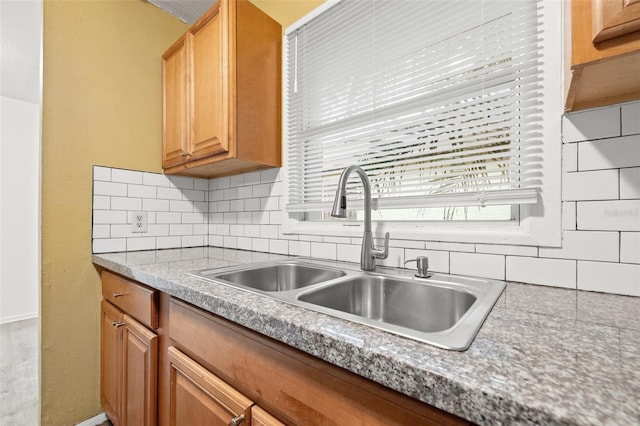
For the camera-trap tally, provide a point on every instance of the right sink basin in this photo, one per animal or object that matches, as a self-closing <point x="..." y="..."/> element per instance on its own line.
<point x="405" y="303"/>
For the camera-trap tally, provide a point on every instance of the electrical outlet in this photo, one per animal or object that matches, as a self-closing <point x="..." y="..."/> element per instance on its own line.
<point x="138" y="221"/>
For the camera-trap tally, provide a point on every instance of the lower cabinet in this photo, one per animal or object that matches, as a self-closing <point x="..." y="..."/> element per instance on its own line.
<point x="129" y="366"/>
<point x="198" y="397"/>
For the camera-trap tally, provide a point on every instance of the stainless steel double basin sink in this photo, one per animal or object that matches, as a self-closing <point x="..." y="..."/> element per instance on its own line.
<point x="445" y="311"/>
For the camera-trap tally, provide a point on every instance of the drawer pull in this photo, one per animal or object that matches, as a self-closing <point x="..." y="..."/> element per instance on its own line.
<point x="117" y="324"/>
<point x="119" y="294"/>
<point x="237" y="421"/>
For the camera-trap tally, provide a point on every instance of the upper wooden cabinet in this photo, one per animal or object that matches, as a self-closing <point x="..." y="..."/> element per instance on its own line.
<point x="221" y="94"/>
<point x="605" y="53"/>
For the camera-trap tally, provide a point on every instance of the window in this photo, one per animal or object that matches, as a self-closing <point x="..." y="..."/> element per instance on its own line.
<point x="447" y="105"/>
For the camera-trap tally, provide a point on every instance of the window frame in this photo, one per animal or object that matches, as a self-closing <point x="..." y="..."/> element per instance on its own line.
<point x="538" y="224"/>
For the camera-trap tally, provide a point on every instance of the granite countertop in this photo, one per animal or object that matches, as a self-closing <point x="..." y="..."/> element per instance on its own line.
<point x="543" y="356"/>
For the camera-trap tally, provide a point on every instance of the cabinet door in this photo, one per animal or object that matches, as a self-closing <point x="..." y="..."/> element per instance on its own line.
<point x="111" y="322"/>
<point x="615" y="18"/>
<point x="198" y="397"/>
<point x="209" y="97"/>
<point x="139" y="374"/>
<point x="259" y="417"/>
<point x="175" y="127"/>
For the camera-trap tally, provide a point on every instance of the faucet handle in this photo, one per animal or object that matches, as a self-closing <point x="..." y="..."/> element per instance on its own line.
<point x="423" y="266"/>
<point x="382" y="254"/>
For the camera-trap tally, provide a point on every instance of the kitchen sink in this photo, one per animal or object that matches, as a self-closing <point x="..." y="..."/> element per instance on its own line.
<point x="445" y="310"/>
<point x="278" y="277"/>
<point x="406" y="303"/>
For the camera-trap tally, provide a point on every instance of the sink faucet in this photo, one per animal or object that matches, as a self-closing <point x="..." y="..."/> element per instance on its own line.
<point x="369" y="252"/>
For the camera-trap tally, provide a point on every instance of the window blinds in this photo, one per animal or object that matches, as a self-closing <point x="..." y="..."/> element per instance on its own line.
<point x="438" y="101"/>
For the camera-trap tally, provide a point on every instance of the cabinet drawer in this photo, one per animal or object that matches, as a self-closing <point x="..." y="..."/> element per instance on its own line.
<point x="136" y="300"/>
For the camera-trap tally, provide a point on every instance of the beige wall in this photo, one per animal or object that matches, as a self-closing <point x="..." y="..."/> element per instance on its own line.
<point x="101" y="105"/>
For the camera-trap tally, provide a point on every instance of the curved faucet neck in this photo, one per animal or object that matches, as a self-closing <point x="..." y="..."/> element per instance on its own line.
<point x="342" y="183"/>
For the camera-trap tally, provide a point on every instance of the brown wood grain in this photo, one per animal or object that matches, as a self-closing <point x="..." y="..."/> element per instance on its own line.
<point x="294" y="387"/>
<point x="134" y="299"/>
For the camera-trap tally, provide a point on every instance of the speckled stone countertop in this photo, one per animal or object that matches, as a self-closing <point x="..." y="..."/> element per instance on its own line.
<point x="543" y="356"/>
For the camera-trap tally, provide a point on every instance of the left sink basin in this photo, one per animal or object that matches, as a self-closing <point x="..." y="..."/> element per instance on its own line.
<point x="273" y="277"/>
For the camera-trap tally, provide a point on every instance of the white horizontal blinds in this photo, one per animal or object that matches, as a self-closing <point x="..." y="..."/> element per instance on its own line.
<point x="438" y="101"/>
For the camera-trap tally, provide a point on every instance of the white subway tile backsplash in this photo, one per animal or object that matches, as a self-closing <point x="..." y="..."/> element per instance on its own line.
<point x="102" y="173"/>
<point x="620" y="278"/>
<point x="533" y="270"/>
<point x="269" y="231"/>
<point x="395" y="259"/>
<point x="245" y="217"/>
<point x="261" y="190"/>
<point x="271" y="203"/>
<point x="236" y="180"/>
<point x="201" y="184"/>
<point x="279" y="246"/>
<point x="192" y="240"/>
<point x="622" y="215"/>
<point x="269" y="175"/>
<point x="244" y="243"/>
<point x="230" y="194"/>
<point x="201" y="229"/>
<point x="630" y="247"/>
<point x="230" y="241"/>
<point x="338" y="240"/>
<point x="155" y="179"/>
<point x="245" y="192"/>
<point x="180" y="206"/>
<point x="169" y="217"/>
<point x="593" y="185"/>
<point x="631" y="118"/>
<point x="630" y="183"/>
<point x="193" y="217"/>
<point x="223" y="206"/>
<point x="143" y="243"/>
<point x="155" y="205"/>
<point x="141" y="191"/>
<point x="588" y="125"/>
<point x="236" y="205"/>
<point x="101" y="231"/>
<point x="259" y="244"/>
<point x="169" y="194"/>
<point x="586" y="245"/>
<point x="109" y="245"/>
<point x="236" y="230"/>
<point x="194" y="195"/>
<point x="157" y="230"/>
<point x="251" y="178"/>
<point x="252" y="204"/>
<point x="126" y="176"/>
<point x="181" y="182"/>
<point x="300" y="248"/>
<point x="409" y="244"/>
<point x="223" y="182"/>
<point x="179" y="229"/>
<point x="570" y="157"/>
<point x="252" y="230"/>
<point x="348" y="253"/>
<point x="125" y="203"/>
<point x="101" y="202"/>
<point x="609" y="153"/>
<point x="109" y="188"/>
<point x="109" y="216"/>
<point x="122" y="231"/>
<point x="479" y="265"/>
<point x="569" y="216"/>
<point x="324" y="250"/>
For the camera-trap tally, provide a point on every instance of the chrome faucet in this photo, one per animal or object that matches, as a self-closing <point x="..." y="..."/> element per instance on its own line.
<point x="369" y="252"/>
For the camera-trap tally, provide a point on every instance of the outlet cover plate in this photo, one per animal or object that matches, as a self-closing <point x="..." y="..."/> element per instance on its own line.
<point x="138" y="222"/>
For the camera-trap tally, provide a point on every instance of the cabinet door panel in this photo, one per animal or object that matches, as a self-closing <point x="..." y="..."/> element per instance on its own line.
<point x="259" y="417"/>
<point x="175" y="135"/>
<point x="197" y="397"/>
<point x="140" y="373"/>
<point x="615" y="18"/>
<point x="110" y="360"/>
<point x="209" y="101"/>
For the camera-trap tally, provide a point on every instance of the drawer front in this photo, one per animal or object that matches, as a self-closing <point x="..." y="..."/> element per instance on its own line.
<point x="136" y="300"/>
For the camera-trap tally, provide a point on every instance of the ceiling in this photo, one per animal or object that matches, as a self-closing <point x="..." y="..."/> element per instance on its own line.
<point x="186" y="10"/>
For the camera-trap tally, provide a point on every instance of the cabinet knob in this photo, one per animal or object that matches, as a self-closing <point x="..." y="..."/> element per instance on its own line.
<point x="237" y="421"/>
<point x="117" y="324"/>
<point x="185" y="154"/>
